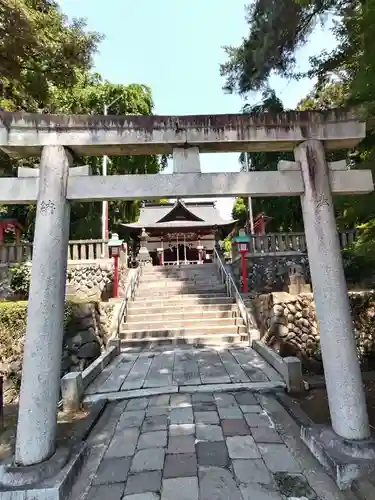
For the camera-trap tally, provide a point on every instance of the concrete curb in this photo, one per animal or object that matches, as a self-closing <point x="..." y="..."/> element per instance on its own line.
<point x="290" y="368"/>
<point x="73" y="384"/>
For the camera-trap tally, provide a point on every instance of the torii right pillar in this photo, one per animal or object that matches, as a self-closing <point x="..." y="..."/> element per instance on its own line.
<point x="345" y="391"/>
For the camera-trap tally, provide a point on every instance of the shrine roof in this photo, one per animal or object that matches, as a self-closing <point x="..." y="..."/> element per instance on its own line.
<point x="179" y="214"/>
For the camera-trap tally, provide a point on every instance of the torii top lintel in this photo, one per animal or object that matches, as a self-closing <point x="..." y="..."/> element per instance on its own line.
<point x="23" y="134"/>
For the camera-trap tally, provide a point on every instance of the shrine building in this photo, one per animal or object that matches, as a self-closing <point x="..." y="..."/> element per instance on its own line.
<point x="180" y="232"/>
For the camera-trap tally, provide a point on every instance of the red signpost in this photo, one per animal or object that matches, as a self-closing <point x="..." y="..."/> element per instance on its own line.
<point x="115" y="245"/>
<point x="243" y="247"/>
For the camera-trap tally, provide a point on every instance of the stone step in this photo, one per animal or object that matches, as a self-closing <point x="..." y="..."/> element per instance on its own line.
<point x="147" y="292"/>
<point x="171" y="313"/>
<point x="181" y="268"/>
<point x="197" y="332"/>
<point x="202" y="322"/>
<point x="185" y="281"/>
<point x="181" y="300"/>
<point x="197" y="341"/>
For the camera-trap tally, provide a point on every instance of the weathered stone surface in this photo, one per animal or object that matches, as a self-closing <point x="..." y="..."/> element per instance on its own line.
<point x="259" y="492"/>
<point x="123" y="443"/>
<point x="230" y="413"/>
<point x="206" y="417"/>
<point x="181" y="429"/>
<point x="144" y="460"/>
<point x="207" y="432"/>
<point x="137" y="404"/>
<point x="112" y="470"/>
<point x="108" y="491"/>
<point x="265" y="435"/>
<point x="142" y="496"/>
<point x="156" y="439"/>
<point x="180" y="465"/>
<point x="251" y="471"/>
<point x="213" y="454"/>
<point x="242" y="447"/>
<point x="245" y="398"/>
<point x="142" y="482"/>
<point x="181" y="416"/>
<point x="181" y="444"/>
<point x="258" y="420"/>
<point x="216" y="483"/>
<point x="235" y="427"/>
<point x="131" y="419"/>
<point x="278" y="458"/>
<point x="157" y="423"/>
<point x="182" y="488"/>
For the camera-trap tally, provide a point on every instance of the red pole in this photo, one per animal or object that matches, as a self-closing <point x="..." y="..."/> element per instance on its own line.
<point x="106" y="221"/>
<point x="115" y="277"/>
<point x="161" y="259"/>
<point x="244" y="273"/>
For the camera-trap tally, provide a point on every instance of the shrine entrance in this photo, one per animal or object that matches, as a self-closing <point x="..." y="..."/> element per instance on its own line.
<point x="55" y="184"/>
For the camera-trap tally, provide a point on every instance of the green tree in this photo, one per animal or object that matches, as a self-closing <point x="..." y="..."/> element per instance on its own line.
<point x="40" y="48"/>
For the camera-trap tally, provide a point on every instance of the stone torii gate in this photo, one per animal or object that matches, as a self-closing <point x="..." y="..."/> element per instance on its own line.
<point x="57" y="139"/>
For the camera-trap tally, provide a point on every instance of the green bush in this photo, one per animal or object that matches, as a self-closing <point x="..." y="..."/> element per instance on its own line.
<point x="20" y="280"/>
<point x="359" y="257"/>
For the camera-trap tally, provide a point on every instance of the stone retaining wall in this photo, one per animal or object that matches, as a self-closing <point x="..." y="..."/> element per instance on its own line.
<point x="86" y="334"/>
<point x="288" y="324"/>
<point x="90" y="281"/>
<point x="265" y="273"/>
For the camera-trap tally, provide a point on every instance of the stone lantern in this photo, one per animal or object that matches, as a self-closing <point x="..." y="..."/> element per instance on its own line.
<point x="143" y="256"/>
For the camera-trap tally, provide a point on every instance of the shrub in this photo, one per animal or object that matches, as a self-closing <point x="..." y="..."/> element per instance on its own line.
<point x="359" y="257"/>
<point x="20" y="280"/>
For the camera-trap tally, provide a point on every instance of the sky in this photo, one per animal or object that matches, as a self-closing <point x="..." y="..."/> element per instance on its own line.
<point x="176" y="47"/>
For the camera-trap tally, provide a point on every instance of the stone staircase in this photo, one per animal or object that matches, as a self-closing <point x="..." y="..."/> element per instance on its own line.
<point x="182" y="305"/>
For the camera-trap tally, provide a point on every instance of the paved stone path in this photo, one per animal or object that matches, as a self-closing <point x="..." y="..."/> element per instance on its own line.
<point x="170" y="368"/>
<point x="204" y="446"/>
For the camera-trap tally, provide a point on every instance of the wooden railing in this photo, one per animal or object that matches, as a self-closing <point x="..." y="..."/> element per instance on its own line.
<point x="288" y="242"/>
<point x="11" y="253"/>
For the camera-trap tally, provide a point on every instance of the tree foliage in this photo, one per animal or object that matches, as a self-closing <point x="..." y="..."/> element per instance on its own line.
<point x="39" y="47"/>
<point x="46" y="67"/>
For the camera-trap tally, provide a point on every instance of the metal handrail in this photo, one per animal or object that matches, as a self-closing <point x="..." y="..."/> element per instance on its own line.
<point x="131" y="287"/>
<point x="232" y="291"/>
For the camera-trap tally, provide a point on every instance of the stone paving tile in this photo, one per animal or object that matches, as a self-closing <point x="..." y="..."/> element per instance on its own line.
<point x="155" y="411"/>
<point x="235" y="427"/>
<point x="251" y="408"/>
<point x="112" y="470"/>
<point x="131" y="419"/>
<point x="258" y="420"/>
<point x="216" y="483"/>
<point x="181" y="429"/>
<point x="181" y="488"/>
<point x="245" y="398"/>
<point x="181" y="444"/>
<point x="108" y="491"/>
<point x="156" y="423"/>
<point x="144" y="460"/>
<point x="181" y="416"/>
<point x="202" y="397"/>
<point x="278" y="458"/>
<point x="162" y="400"/>
<point x="180" y="465"/>
<point x="142" y="496"/>
<point x="180" y="401"/>
<point x="225" y="400"/>
<point x="143" y="482"/>
<point x="206" y="417"/>
<point x="260" y="492"/>
<point x="123" y="443"/>
<point x="156" y="439"/>
<point x="207" y="432"/>
<point x="265" y="435"/>
<point x="251" y="471"/>
<point x="242" y="447"/>
<point x="213" y="454"/>
<point x="204" y="406"/>
<point x="137" y="404"/>
<point x="230" y="413"/>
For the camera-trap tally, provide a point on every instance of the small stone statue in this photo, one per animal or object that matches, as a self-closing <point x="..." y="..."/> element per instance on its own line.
<point x="296" y="280"/>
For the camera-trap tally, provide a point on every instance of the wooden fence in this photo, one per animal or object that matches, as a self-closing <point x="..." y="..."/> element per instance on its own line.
<point x="274" y="243"/>
<point x="11" y="253"/>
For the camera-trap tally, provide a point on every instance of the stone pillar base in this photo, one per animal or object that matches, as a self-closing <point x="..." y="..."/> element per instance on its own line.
<point x="52" y="479"/>
<point x="344" y="460"/>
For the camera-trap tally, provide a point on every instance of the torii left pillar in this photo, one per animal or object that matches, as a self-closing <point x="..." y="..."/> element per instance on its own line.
<point x="37" y="419"/>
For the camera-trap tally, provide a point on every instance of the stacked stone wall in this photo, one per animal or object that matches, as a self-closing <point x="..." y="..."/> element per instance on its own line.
<point x="289" y="325"/>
